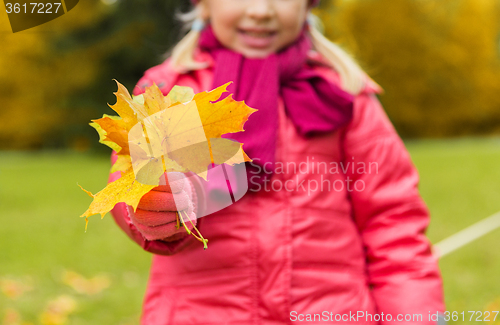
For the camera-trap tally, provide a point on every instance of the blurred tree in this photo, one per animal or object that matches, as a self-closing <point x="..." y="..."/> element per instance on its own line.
<point x="58" y="76"/>
<point x="35" y="78"/>
<point x="133" y="37"/>
<point x="438" y="60"/>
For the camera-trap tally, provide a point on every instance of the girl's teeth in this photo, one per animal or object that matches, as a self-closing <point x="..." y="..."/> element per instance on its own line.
<point x="255" y="34"/>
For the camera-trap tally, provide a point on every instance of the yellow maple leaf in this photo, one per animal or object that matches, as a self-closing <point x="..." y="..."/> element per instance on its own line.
<point x="154" y="134"/>
<point x="125" y="189"/>
<point x="184" y="134"/>
<point x="128" y="109"/>
<point x="122" y="164"/>
<point x="113" y="133"/>
<point x="179" y="95"/>
<point x="224" y="116"/>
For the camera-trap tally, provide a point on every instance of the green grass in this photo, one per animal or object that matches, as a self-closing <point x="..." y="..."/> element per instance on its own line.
<point x="460" y="182"/>
<point x="41" y="234"/>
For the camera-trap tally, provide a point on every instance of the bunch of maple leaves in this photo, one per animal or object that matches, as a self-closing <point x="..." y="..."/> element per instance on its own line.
<point x="155" y="134"/>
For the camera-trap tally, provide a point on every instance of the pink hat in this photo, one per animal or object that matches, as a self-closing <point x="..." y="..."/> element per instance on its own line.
<point x="313" y="2"/>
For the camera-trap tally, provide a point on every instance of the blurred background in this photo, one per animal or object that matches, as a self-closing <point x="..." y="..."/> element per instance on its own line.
<point x="437" y="60"/>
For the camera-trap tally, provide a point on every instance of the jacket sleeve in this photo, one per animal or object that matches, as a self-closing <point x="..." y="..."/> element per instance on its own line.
<point x="390" y="215"/>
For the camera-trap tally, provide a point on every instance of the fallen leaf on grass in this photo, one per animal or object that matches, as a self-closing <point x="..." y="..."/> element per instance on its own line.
<point x="13" y="317"/>
<point x="14" y="288"/>
<point x="86" y="286"/>
<point x="58" y="310"/>
<point x="492" y="309"/>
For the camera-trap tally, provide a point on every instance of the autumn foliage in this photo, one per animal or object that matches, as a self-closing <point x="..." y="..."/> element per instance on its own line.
<point x="438" y="61"/>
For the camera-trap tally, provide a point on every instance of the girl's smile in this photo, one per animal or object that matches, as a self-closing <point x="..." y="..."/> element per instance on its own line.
<point x="256" y="28"/>
<point x="257" y="38"/>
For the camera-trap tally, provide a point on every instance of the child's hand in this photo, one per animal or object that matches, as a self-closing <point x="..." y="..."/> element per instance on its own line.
<point x="156" y="214"/>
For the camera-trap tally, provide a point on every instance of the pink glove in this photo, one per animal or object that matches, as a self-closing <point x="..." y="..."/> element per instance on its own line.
<point x="155" y="216"/>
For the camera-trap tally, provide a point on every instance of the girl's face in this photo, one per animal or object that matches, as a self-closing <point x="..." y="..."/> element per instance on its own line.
<point x="256" y="28"/>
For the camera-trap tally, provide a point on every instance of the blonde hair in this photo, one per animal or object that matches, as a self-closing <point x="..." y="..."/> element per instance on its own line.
<point x="351" y="75"/>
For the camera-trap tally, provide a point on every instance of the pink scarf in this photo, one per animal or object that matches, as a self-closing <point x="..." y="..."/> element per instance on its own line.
<point x="314" y="104"/>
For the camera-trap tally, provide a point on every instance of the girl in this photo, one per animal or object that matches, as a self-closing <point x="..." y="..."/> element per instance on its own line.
<point x="333" y="227"/>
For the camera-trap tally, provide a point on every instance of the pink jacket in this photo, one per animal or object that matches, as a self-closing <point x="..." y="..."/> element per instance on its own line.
<point x="339" y="239"/>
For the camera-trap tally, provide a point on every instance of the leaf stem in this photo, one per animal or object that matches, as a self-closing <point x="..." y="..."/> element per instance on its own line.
<point x="203" y="240"/>
<point x="185" y="227"/>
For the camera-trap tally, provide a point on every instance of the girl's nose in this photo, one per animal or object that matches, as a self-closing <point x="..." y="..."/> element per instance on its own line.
<point x="260" y="9"/>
